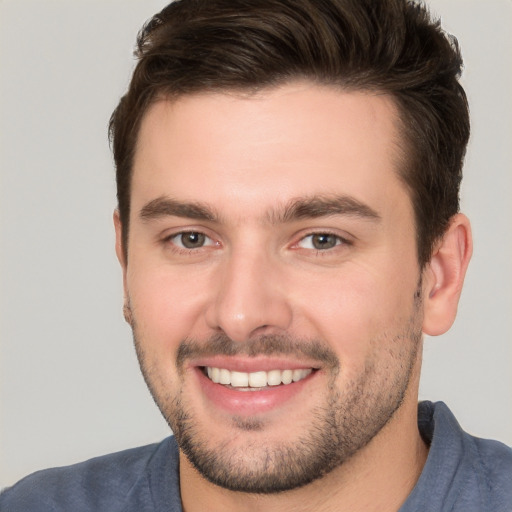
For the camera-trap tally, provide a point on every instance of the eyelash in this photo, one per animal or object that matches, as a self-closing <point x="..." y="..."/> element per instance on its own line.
<point x="340" y="241"/>
<point x="184" y="250"/>
<point x="168" y="240"/>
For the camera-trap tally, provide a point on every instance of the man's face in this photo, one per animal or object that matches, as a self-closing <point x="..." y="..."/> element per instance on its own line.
<point x="272" y="279"/>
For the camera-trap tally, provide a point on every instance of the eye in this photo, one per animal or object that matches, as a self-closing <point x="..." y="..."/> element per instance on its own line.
<point x="191" y="240"/>
<point x="320" y="241"/>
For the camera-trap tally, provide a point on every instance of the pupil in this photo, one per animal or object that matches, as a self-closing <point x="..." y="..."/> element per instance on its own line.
<point x="192" y="240"/>
<point x="324" y="241"/>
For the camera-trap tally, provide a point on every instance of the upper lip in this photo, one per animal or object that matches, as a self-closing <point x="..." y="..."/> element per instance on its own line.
<point x="253" y="364"/>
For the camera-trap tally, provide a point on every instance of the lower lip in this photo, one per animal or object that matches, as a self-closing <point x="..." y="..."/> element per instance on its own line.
<point x="248" y="403"/>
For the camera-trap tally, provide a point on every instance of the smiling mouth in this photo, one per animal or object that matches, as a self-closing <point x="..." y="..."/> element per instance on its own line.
<point x="255" y="381"/>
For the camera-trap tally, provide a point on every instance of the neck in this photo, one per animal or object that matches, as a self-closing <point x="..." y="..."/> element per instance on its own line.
<point x="379" y="477"/>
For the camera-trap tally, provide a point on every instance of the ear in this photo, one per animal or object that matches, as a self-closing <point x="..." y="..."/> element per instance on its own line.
<point x="444" y="276"/>
<point x="122" y="261"/>
<point x="119" y="240"/>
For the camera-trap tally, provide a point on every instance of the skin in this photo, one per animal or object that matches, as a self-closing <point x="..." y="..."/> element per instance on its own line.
<point x="365" y="299"/>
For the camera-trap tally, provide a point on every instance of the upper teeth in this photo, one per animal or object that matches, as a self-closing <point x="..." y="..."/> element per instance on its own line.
<point x="256" y="379"/>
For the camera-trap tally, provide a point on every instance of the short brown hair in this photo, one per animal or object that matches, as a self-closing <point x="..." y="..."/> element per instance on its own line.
<point x="390" y="46"/>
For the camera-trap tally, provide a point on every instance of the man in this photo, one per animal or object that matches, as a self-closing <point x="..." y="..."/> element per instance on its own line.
<point x="288" y="227"/>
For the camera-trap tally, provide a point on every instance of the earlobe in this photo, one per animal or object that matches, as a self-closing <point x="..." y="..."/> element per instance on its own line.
<point x="127" y="312"/>
<point x="444" y="276"/>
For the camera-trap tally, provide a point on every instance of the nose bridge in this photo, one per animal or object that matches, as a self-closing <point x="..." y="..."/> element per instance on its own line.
<point x="249" y="296"/>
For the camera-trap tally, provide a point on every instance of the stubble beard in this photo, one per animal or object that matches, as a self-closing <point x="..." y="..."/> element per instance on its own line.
<point x="347" y="421"/>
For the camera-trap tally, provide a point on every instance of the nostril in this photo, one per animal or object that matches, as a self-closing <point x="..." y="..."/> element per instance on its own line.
<point x="244" y="306"/>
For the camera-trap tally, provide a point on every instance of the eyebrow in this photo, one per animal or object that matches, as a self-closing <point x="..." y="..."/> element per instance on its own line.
<point x="297" y="209"/>
<point x="324" y="206"/>
<point x="165" y="206"/>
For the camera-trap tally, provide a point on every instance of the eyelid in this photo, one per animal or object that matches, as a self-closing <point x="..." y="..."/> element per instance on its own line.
<point x="208" y="240"/>
<point x="341" y="240"/>
<point x="170" y="240"/>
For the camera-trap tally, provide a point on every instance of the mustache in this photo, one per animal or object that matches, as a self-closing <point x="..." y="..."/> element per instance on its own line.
<point x="264" y="345"/>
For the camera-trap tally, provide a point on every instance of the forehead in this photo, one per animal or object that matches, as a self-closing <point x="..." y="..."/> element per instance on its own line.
<point x="265" y="148"/>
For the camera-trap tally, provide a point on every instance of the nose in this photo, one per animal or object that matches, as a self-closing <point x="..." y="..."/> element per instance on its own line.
<point x="249" y="298"/>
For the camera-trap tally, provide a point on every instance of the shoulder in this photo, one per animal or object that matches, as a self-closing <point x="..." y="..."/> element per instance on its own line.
<point x="489" y="459"/>
<point x="493" y="462"/>
<point x="463" y="472"/>
<point x="105" y="483"/>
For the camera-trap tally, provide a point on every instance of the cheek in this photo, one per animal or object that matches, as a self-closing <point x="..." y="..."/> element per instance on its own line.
<point x="351" y="308"/>
<point x="166" y="305"/>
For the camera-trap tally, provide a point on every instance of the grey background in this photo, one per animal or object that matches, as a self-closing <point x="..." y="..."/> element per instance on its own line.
<point x="69" y="382"/>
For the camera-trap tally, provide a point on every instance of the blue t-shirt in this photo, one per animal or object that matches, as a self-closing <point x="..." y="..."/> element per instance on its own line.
<point x="462" y="474"/>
